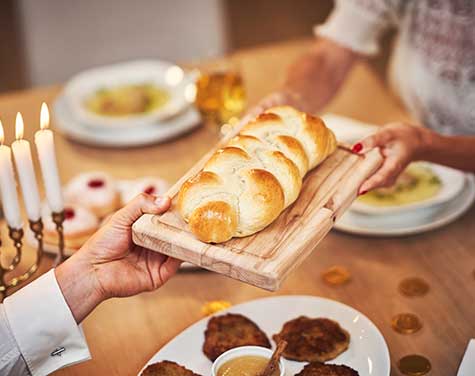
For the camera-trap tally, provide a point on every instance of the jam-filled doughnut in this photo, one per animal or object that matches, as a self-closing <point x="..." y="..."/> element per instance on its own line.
<point x="96" y="191"/>
<point x="150" y="185"/>
<point x="79" y="224"/>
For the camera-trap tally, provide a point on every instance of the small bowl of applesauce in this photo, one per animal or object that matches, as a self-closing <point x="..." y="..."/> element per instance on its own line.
<point x="245" y="361"/>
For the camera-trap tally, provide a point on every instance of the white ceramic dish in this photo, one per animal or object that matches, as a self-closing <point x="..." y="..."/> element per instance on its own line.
<point x="243" y="351"/>
<point x="348" y="130"/>
<point x="368" y="352"/>
<point x="147" y="134"/>
<point x="452" y="180"/>
<point x="455" y="198"/>
<point x="162" y="74"/>
<point x="412" y="222"/>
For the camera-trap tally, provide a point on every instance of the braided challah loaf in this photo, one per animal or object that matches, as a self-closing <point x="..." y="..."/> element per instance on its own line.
<point x="247" y="184"/>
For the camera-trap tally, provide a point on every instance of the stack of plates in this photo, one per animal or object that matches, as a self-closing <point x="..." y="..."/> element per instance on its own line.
<point x="176" y="117"/>
<point x="455" y="197"/>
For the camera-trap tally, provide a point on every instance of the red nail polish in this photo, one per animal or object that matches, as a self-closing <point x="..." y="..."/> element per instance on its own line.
<point x="357" y="147"/>
<point x="362" y="193"/>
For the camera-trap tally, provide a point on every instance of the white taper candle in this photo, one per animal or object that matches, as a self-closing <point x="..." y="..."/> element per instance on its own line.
<point x="26" y="172"/>
<point x="11" y="208"/>
<point x="44" y="141"/>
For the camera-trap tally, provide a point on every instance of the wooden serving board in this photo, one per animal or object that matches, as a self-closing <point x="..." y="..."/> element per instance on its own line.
<point x="267" y="257"/>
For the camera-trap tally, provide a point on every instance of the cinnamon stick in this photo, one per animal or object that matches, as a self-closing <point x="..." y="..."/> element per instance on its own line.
<point x="274" y="360"/>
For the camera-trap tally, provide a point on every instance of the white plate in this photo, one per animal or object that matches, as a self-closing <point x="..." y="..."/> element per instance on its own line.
<point x="368" y="352"/>
<point x="163" y="74"/>
<point x="408" y="223"/>
<point x="147" y="134"/>
<point x="348" y="130"/>
<point x="452" y="180"/>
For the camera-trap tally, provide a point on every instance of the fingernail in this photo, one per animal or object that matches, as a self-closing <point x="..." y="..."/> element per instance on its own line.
<point x="357" y="147"/>
<point x="160" y="201"/>
<point x="362" y="193"/>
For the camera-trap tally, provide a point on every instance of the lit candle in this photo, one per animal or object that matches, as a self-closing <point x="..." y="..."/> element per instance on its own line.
<point x="44" y="141"/>
<point x="11" y="208"/>
<point x="26" y="172"/>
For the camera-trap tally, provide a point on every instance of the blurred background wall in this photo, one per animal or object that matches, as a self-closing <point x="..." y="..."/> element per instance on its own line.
<point x="46" y="41"/>
<point x="61" y="37"/>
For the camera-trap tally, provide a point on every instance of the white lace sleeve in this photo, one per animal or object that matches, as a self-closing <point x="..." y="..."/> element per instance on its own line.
<point x="359" y="24"/>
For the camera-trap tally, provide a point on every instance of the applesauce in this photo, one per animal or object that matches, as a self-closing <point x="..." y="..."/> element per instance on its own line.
<point x="247" y="365"/>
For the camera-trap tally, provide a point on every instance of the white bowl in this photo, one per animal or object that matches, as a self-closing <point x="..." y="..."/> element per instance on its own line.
<point x="243" y="351"/>
<point x="163" y="74"/>
<point x="115" y="137"/>
<point x="453" y="181"/>
<point x="348" y="130"/>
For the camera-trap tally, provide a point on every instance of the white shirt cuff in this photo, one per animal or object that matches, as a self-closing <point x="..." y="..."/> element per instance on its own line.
<point x="353" y="27"/>
<point x="43" y="326"/>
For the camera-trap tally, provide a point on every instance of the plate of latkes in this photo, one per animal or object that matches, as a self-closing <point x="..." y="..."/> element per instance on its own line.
<point x="324" y="337"/>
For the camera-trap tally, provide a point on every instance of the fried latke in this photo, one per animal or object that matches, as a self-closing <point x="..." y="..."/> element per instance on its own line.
<point x="229" y="331"/>
<point x="320" y="369"/>
<point x="311" y="340"/>
<point x="167" y="368"/>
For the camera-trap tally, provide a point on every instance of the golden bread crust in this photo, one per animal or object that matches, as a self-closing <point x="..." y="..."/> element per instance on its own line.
<point x="260" y="203"/>
<point x="295" y="151"/>
<point x="244" y="186"/>
<point x="213" y="222"/>
<point x="203" y="180"/>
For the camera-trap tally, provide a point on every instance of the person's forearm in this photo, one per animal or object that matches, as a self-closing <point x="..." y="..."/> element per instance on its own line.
<point x="453" y="151"/>
<point x="315" y="78"/>
<point x="79" y="287"/>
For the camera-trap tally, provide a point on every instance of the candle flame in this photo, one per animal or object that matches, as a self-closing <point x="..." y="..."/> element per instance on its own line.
<point x="19" y="126"/>
<point x="2" y="135"/>
<point x="44" y="116"/>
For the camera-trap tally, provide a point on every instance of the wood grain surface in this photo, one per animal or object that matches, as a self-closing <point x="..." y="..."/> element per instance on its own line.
<point x="264" y="259"/>
<point x="124" y="333"/>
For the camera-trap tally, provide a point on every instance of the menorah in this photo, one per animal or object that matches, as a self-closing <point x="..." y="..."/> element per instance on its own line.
<point x="20" y="150"/>
<point x="16" y="235"/>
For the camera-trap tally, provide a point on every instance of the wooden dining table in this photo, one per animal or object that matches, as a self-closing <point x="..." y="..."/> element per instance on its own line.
<point x="124" y="333"/>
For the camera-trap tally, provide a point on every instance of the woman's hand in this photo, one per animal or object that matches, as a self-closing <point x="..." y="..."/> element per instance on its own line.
<point x="111" y="265"/>
<point x="400" y="144"/>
